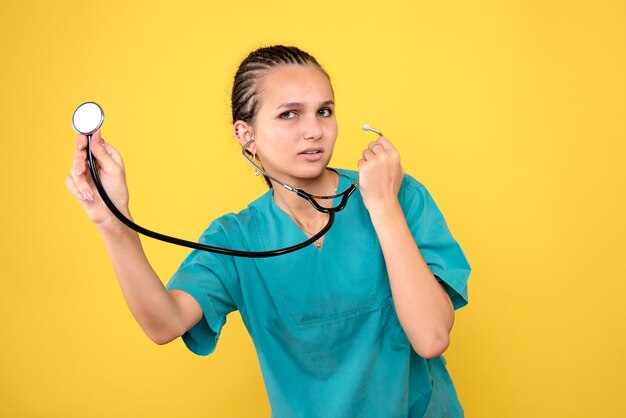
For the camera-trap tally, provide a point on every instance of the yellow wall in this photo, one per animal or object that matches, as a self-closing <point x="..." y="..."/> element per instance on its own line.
<point x="512" y="113"/>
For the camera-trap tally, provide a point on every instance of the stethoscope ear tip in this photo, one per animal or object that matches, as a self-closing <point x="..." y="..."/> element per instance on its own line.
<point x="366" y="127"/>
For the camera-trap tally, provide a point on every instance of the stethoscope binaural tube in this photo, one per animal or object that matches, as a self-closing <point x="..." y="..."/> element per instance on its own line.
<point x="88" y="118"/>
<point x="305" y="195"/>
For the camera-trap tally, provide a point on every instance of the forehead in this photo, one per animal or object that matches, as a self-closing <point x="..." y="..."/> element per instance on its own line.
<point x="294" y="83"/>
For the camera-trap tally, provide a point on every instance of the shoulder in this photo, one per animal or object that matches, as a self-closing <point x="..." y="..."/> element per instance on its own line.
<point x="411" y="184"/>
<point x="232" y="226"/>
<point x="351" y="175"/>
<point x="413" y="195"/>
<point x="408" y="181"/>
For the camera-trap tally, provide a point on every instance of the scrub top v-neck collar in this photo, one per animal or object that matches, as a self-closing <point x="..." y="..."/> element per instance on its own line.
<point x="293" y="226"/>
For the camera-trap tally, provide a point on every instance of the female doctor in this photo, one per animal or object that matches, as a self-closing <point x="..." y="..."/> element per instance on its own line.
<point x="353" y="326"/>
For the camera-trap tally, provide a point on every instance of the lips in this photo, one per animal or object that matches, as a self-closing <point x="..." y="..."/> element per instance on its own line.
<point x="312" y="154"/>
<point x="312" y="151"/>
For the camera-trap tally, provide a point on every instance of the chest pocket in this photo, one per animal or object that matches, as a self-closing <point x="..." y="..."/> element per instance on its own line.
<point x="342" y="280"/>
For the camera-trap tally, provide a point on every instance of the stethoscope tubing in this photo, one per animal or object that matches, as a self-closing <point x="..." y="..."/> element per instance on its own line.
<point x="331" y="211"/>
<point x="303" y="194"/>
<point x="196" y="245"/>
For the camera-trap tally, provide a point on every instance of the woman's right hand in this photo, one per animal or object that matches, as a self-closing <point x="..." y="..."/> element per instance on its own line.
<point x="112" y="175"/>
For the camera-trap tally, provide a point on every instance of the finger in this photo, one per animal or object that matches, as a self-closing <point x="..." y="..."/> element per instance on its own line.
<point x="373" y="143"/>
<point x="81" y="142"/>
<point x="386" y="143"/>
<point x="71" y="186"/>
<point x="82" y="186"/>
<point x="373" y="147"/>
<point x="368" y="154"/>
<point x="115" y="155"/>
<point x="79" y="176"/>
<point x="79" y="162"/>
<point x="99" y="151"/>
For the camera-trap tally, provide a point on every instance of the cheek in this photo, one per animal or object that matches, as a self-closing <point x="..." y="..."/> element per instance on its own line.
<point x="332" y="131"/>
<point x="273" y="143"/>
<point x="278" y="140"/>
<point x="273" y="131"/>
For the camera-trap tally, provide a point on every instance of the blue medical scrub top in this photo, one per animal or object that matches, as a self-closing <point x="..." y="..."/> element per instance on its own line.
<point x="323" y="323"/>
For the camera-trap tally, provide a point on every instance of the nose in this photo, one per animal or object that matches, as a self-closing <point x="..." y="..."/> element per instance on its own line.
<point x="312" y="128"/>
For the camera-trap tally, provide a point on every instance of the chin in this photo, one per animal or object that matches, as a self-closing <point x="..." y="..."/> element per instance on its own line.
<point x="303" y="172"/>
<point x="311" y="173"/>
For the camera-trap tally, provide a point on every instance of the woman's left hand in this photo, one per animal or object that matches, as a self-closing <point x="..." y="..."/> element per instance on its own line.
<point x="380" y="175"/>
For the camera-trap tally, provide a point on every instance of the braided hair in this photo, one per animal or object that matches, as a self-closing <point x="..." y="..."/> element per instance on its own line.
<point x="245" y="100"/>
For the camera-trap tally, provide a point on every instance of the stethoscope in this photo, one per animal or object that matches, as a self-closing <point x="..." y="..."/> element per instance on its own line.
<point x="88" y="118"/>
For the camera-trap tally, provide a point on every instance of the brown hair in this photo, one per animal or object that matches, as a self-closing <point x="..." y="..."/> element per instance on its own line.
<point x="245" y="101"/>
<point x="244" y="98"/>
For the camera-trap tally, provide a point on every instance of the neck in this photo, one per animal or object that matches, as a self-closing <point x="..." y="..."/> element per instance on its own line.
<point x="300" y="209"/>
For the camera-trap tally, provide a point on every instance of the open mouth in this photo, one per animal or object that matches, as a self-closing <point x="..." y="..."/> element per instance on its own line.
<point x="313" y="154"/>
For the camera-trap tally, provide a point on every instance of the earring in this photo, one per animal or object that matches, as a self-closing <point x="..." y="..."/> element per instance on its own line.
<point x="256" y="162"/>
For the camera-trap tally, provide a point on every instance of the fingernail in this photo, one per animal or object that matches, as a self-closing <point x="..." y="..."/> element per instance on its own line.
<point x="88" y="195"/>
<point x="79" y="196"/>
<point x="79" y="170"/>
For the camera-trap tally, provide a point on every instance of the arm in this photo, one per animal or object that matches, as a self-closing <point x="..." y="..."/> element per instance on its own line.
<point x="162" y="315"/>
<point x="422" y="304"/>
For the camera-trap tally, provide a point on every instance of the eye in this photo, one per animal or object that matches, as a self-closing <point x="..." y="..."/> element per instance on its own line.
<point x="287" y="115"/>
<point x="325" y="112"/>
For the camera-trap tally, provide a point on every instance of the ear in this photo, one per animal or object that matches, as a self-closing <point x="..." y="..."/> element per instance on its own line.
<point x="244" y="133"/>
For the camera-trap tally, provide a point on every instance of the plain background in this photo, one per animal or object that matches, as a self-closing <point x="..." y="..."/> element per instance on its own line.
<point x="512" y="113"/>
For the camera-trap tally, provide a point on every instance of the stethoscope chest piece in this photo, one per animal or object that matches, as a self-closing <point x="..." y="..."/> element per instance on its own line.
<point x="88" y="118"/>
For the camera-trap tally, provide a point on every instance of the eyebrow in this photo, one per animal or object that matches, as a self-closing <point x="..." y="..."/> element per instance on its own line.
<point x="298" y="105"/>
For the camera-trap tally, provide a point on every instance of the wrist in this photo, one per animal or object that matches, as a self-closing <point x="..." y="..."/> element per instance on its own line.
<point x="112" y="226"/>
<point x="385" y="211"/>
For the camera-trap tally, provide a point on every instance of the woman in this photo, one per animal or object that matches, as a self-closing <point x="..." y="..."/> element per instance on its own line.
<point x="353" y="326"/>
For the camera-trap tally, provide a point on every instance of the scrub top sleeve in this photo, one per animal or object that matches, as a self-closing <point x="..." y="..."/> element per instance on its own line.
<point x="442" y="253"/>
<point x="211" y="279"/>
